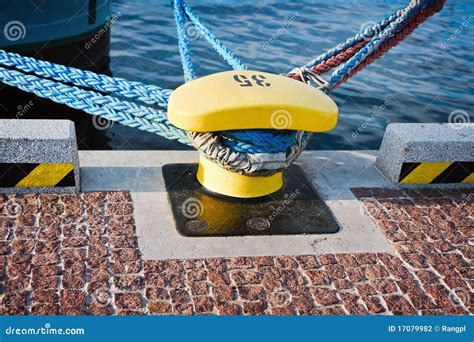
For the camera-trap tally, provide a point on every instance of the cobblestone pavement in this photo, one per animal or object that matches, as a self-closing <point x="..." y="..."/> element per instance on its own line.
<point x="71" y="255"/>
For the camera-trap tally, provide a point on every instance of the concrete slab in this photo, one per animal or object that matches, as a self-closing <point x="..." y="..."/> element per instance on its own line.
<point x="333" y="173"/>
<point x="428" y="153"/>
<point x="38" y="156"/>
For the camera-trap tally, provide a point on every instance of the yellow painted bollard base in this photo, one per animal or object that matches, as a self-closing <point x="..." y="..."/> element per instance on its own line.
<point x="197" y="212"/>
<point x="224" y="182"/>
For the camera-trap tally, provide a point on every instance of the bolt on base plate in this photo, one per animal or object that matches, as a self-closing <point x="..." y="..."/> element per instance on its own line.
<point x="294" y="209"/>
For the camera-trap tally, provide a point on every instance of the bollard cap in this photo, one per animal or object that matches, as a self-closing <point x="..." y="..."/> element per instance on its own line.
<point x="246" y="99"/>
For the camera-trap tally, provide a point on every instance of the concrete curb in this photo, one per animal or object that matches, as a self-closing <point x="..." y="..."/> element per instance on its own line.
<point x="38" y="156"/>
<point x="428" y="154"/>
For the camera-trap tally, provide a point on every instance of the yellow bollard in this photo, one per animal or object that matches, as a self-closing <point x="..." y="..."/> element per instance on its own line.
<point x="225" y="182"/>
<point x="246" y="99"/>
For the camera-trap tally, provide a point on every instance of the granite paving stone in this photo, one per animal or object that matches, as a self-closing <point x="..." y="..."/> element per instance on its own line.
<point x="79" y="254"/>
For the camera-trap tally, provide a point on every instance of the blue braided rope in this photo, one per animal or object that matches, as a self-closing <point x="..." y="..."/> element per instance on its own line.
<point x="128" y="114"/>
<point x="148" y="94"/>
<point x="360" y="36"/>
<point x="220" y="48"/>
<point x="376" y="41"/>
<point x="88" y="97"/>
<point x="258" y="141"/>
<point x="183" y="43"/>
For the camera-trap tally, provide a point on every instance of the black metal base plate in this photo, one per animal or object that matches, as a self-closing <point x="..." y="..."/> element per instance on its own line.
<point x="295" y="209"/>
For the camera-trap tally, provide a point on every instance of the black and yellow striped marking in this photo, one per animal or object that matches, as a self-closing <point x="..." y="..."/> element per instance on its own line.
<point x="31" y="175"/>
<point x="437" y="172"/>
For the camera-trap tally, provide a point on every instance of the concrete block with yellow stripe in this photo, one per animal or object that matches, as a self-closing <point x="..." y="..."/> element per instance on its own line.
<point x="423" y="154"/>
<point x="38" y="156"/>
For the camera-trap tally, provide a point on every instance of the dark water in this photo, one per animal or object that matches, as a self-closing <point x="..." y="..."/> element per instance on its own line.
<point x="424" y="79"/>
